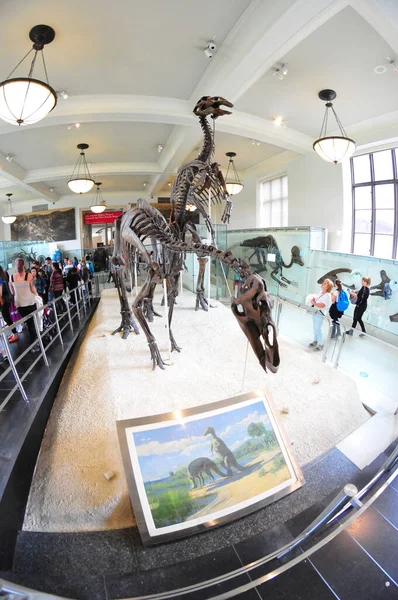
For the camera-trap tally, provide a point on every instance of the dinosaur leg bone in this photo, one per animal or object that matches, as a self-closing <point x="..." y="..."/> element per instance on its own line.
<point x="128" y="322"/>
<point x="200" y="288"/>
<point x="138" y="312"/>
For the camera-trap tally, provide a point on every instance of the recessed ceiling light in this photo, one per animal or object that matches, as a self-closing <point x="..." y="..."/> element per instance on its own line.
<point x="144" y="184"/>
<point x="169" y="184"/>
<point x="255" y="142"/>
<point x="160" y="148"/>
<point x="51" y="189"/>
<point x="380" y="69"/>
<point x="278" y="121"/>
<point x="10" y="157"/>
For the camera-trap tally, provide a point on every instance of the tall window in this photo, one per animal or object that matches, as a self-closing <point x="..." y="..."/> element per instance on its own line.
<point x="274" y="202"/>
<point x="374" y="199"/>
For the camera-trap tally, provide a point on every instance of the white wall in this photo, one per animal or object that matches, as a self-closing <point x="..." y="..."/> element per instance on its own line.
<point x="316" y="198"/>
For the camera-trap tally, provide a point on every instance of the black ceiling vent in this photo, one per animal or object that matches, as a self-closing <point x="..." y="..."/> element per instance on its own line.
<point x="163" y="200"/>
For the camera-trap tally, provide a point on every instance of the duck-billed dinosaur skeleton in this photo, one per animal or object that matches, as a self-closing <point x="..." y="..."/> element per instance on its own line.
<point x="197" y="183"/>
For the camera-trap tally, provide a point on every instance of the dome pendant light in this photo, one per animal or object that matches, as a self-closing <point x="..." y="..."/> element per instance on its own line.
<point x="233" y="185"/>
<point x="24" y="100"/>
<point x="99" y="204"/>
<point x="81" y="181"/>
<point x="337" y="147"/>
<point x="8" y="216"/>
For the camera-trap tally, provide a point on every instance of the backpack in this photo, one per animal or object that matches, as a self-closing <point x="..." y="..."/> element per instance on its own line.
<point x="343" y="301"/>
<point x="6" y="292"/>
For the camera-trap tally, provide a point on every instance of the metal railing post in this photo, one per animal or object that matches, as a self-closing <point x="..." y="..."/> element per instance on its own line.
<point x="68" y="311"/>
<point x="81" y="292"/>
<point x="57" y="324"/>
<point x="39" y="340"/>
<point x="13" y="368"/>
<point x="329" y="337"/>
<point x="75" y="295"/>
<point x="347" y="493"/>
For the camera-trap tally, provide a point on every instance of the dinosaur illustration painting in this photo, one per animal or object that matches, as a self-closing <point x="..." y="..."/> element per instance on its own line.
<point x="219" y="447"/>
<point x="200" y="467"/>
<point x="196" y="182"/>
<point x="265" y="245"/>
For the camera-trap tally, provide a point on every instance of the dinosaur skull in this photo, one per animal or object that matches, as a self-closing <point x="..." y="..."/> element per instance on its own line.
<point x="210" y="105"/>
<point x="253" y="312"/>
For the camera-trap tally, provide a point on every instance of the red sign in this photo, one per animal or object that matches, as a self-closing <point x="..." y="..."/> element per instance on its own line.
<point x="105" y="217"/>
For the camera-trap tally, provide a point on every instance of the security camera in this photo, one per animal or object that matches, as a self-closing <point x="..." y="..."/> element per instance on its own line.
<point x="210" y="49"/>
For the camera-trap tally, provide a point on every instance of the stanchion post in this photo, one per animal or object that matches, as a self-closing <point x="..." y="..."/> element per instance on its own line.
<point x="39" y="340"/>
<point x="13" y="368"/>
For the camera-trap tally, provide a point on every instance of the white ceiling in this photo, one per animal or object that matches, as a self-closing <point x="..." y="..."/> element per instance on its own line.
<point x="135" y="70"/>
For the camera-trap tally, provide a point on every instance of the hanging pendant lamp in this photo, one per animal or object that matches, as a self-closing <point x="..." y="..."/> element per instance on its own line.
<point x="8" y="216"/>
<point x="233" y="184"/>
<point x="81" y="181"/>
<point x="25" y="100"/>
<point x="337" y="147"/>
<point x="99" y="204"/>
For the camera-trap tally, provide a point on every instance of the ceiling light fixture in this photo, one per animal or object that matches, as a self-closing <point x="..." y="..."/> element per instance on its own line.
<point x="255" y="142"/>
<point x="74" y="125"/>
<point x="282" y="71"/>
<point x="99" y="204"/>
<point x="160" y="148"/>
<point x="64" y="94"/>
<point x="10" y="157"/>
<point x="191" y="207"/>
<point x="233" y="185"/>
<point x="145" y="184"/>
<point x="24" y="100"/>
<point x="81" y="181"/>
<point x="337" y="147"/>
<point x="9" y="216"/>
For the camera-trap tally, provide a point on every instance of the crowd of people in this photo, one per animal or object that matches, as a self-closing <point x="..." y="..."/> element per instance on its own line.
<point x="27" y="289"/>
<point x="333" y="300"/>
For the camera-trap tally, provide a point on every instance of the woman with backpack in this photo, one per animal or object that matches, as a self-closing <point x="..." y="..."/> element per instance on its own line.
<point x="5" y="301"/>
<point x="340" y="303"/>
<point x="25" y="297"/>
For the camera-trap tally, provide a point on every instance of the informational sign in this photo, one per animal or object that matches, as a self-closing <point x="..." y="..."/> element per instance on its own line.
<point x="105" y="217"/>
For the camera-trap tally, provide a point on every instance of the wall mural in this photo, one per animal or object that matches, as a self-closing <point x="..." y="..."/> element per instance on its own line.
<point x="50" y="225"/>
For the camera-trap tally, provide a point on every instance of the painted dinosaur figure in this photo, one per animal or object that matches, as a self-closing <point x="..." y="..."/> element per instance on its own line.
<point x="264" y="245"/>
<point x="201" y="466"/>
<point x="220" y="447"/>
<point x="195" y="181"/>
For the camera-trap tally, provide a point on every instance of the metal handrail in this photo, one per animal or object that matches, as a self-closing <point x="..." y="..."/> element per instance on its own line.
<point x="82" y="299"/>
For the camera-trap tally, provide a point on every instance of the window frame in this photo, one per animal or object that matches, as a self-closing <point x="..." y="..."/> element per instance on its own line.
<point x="372" y="184"/>
<point x="280" y="199"/>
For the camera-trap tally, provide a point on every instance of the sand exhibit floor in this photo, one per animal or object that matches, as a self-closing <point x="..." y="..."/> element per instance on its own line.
<point x="110" y="379"/>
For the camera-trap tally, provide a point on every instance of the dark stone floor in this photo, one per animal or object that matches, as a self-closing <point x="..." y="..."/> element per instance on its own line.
<point x="361" y="563"/>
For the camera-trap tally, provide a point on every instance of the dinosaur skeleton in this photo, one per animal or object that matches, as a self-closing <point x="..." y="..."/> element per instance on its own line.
<point x="198" y="182"/>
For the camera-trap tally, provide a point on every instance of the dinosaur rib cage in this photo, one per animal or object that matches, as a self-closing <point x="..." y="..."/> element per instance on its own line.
<point x="146" y="222"/>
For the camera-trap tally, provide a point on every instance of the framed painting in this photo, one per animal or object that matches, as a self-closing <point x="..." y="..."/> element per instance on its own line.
<point x="201" y="467"/>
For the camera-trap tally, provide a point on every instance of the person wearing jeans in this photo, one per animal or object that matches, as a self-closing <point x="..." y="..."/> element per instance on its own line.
<point x="321" y="302"/>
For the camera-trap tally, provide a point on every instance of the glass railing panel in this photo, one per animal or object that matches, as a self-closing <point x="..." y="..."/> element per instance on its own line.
<point x="296" y="322"/>
<point x="373" y="364"/>
<point x="381" y="316"/>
